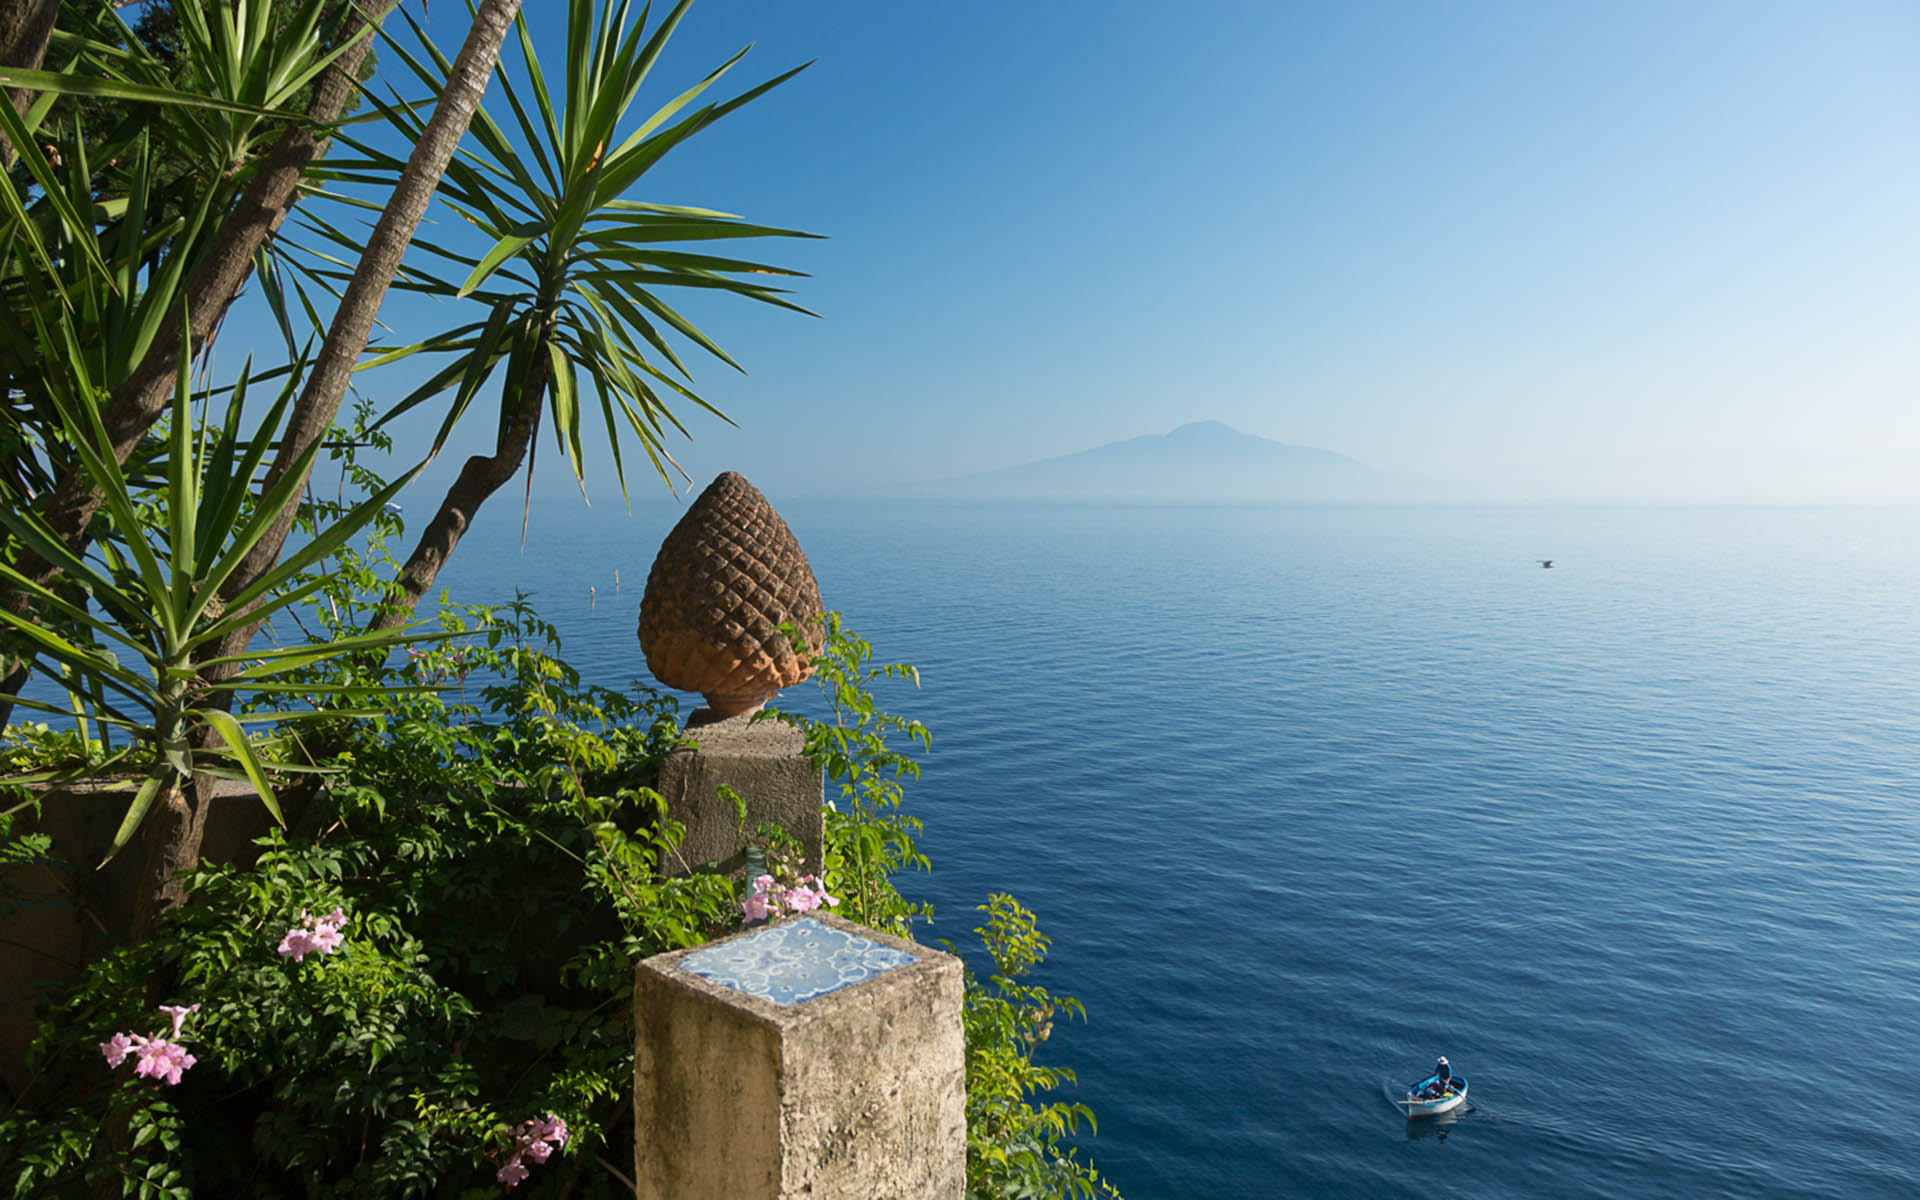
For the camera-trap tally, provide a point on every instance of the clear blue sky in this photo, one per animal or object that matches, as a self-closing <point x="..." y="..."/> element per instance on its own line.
<point x="1644" y="251"/>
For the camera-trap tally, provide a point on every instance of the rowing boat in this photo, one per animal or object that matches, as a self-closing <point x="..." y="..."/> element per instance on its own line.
<point x="1429" y="1099"/>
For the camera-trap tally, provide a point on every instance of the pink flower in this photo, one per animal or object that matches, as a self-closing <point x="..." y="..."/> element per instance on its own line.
<point x="161" y="1059"/>
<point x="755" y="907"/>
<point x="314" y="935"/>
<point x="531" y="1141"/>
<point x="179" y="1013"/>
<point x="800" y="900"/>
<point x="116" y="1049"/>
<point x="763" y="883"/>
<point x="154" y="1057"/>
<point x="808" y="895"/>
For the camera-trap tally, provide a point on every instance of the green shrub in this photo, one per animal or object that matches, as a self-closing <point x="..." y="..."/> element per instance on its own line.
<point x="495" y="854"/>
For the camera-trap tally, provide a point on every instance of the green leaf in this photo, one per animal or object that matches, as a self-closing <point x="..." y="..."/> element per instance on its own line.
<point x="183" y="479"/>
<point x="28" y="152"/>
<point x="93" y="87"/>
<point x="323" y="545"/>
<point x="137" y="811"/>
<point x="566" y="410"/>
<point x="236" y="740"/>
<point x="502" y="250"/>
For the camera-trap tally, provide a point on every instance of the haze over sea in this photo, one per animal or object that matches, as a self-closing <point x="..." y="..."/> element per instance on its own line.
<point x="1307" y="796"/>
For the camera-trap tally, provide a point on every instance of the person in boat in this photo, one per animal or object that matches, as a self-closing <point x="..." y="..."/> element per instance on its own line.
<point x="1442" y="1081"/>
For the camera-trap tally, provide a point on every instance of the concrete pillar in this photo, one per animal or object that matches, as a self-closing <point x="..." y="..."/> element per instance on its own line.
<point x="762" y="761"/>
<point x="810" y="1058"/>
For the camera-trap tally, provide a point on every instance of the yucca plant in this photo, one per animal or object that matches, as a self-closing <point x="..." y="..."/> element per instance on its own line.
<point x="189" y="160"/>
<point x="572" y="281"/>
<point x="137" y="649"/>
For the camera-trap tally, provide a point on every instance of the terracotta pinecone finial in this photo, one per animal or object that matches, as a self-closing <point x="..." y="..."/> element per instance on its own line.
<point x="725" y="580"/>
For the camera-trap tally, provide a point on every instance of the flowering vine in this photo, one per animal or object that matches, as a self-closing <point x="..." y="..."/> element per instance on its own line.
<point x="532" y="1142"/>
<point x="314" y="935"/>
<point x="768" y="901"/>
<point x="156" y="1057"/>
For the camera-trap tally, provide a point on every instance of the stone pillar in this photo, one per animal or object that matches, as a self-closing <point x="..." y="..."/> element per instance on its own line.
<point x="811" y="1058"/>
<point x="762" y="761"/>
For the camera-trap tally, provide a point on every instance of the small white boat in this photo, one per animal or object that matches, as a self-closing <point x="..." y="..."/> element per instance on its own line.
<point x="1429" y="1098"/>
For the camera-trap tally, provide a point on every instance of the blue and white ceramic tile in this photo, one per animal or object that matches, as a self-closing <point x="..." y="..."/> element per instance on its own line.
<point x="794" y="961"/>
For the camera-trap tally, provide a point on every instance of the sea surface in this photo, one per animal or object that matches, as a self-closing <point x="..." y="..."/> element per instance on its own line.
<point x="1306" y="797"/>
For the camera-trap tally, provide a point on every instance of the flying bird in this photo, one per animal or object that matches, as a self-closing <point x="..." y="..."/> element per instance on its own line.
<point x="1545" y="562"/>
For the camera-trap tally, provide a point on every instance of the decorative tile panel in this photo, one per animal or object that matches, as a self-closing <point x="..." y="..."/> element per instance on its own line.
<point x="794" y="961"/>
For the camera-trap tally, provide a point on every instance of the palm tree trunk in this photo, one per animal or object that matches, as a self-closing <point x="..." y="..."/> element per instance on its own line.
<point x="326" y="385"/>
<point x="175" y="828"/>
<point x="479" y="478"/>
<point x="327" y="381"/>
<point x="26" y="26"/>
<point x="177" y="842"/>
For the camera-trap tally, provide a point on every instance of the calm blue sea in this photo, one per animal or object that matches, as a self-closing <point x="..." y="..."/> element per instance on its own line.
<point x="1308" y="796"/>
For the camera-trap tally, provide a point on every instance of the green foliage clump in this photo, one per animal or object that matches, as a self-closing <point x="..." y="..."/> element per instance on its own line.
<point x="498" y="865"/>
<point x="1014" y="1148"/>
<point x="30" y="746"/>
<point x="870" y="838"/>
<point x="498" y="856"/>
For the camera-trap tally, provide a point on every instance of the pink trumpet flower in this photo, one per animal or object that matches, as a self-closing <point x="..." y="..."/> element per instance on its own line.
<point x="314" y="935"/>
<point x="154" y="1057"/>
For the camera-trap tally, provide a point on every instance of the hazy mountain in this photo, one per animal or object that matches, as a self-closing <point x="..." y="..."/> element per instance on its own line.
<point x="1205" y="462"/>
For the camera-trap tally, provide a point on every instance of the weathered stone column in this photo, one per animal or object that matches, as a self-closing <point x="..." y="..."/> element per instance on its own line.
<point x="761" y="760"/>
<point x="812" y="1058"/>
<point x="729" y="576"/>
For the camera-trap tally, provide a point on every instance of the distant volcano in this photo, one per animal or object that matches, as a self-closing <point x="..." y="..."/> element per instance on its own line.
<point x="1202" y="463"/>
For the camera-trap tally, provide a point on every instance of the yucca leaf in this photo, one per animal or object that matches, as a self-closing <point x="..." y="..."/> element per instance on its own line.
<point x="236" y="478"/>
<point x="539" y="83"/>
<point x="89" y="662"/>
<point x="502" y="250"/>
<point x="566" y="413"/>
<point x="323" y="544"/>
<point x="236" y="739"/>
<point x="440" y="343"/>
<point x="162" y="290"/>
<point x="237" y="618"/>
<point x="80" y="231"/>
<point x="651" y="227"/>
<point x="137" y="811"/>
<point x="48" y="601"/>
<point x="686" y="328"/>
<point x="285" y="491"/>
<point x="97" y="88"/>
<point x="528" y="135"/>
<point x="183" y="483"/>
<point x="320" y="689"/>
<point x="224" y="486"/>
<point x="669" y="110"/>
<point x="94" y="447"/>
<point x="110" y="716"/>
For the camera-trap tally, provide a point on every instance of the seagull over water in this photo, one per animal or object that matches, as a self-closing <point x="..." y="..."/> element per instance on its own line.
<point x="1544" y="562"/>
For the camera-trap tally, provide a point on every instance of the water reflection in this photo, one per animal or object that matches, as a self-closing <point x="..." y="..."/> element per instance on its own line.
<point x="1436" y="1127"/>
